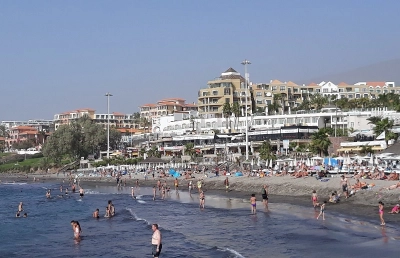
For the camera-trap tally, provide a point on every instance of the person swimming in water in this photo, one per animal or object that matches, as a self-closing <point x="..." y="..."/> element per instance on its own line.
<point x="96" y="214"/>
<point x="20" y="207"/>
<point x="17" y="215"/>
<point x="48" y="194"/>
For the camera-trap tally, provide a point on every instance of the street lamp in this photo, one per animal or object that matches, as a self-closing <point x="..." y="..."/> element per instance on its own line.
<point x="108" y="95"/>
<point x="246" y="78"/>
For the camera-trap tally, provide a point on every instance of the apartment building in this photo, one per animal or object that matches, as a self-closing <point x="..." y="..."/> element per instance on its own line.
<point x="116" y="119"/>
<point x="290" y="95"/>
<point x="69" y="116"/>
<point x="165" y="107"/>
<point x="34" y="122"/>
<point x="24" y="133"/>
<point x="228" y="88"/>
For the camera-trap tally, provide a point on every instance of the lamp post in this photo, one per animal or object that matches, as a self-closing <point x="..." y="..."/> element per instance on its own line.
<point x="246" y="77"/>
<point x="108" y="95"/>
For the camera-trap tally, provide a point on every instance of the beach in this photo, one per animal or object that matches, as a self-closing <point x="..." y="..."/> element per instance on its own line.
<point x="282" y="189"/>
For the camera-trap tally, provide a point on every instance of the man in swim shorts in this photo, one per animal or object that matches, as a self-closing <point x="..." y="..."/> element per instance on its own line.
<point x="156" y="241"/>
<point x="343" y="183"/>
<point x="81" y="192"/>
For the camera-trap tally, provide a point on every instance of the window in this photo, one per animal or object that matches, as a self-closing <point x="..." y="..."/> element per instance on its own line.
<point x="340" y="90"/>
<point x="325" y="90"/>
<point x="350" y="96"/>
<point x="208" y="124"/>
<point x="215" y="93"/>
<point x="282" y="88"/>
<point x="352" y="124"/>
<point x="273" y="88"/>
<point x="204" y="93"/>
<point x="227" y="100"/>
<point x="258" y="94"/>
<point x="227" y="91"/>
<point x="290" y="120"/>
<point x="259" y="102"/>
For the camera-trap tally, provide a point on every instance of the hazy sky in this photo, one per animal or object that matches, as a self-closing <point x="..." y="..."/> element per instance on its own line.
<point x="57" y="56"/>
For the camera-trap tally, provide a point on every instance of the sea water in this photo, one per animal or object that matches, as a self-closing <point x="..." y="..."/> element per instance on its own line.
<point x="225" y="228"/>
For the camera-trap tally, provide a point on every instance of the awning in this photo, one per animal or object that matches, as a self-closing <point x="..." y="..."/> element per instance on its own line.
<point x="377" y="148"/>
<point x="350" y="149"/>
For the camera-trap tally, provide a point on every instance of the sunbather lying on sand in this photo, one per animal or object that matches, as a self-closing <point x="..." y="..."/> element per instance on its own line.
<point x="392" y="187"/>
<point x="393" y="176"/>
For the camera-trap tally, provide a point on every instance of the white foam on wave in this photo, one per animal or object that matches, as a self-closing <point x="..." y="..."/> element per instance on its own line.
<point x="139" y="196"/>
<point x="235" y="253"/>
<point x="141" y="201"/>
<point x="13" y="183"/>
<point x="136" y="217"/>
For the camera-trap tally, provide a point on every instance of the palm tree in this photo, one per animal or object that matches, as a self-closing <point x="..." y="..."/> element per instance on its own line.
<point x="374" y="119"/>
<point x="189" y="149"/>
<point x="274" y="107"/>
<point x="318" y="101"/>
<point x="366" y="150"/>
<point x="145" y="123"/>
<point x="136" y="120"/>
<point x="278" y="98"/>
<point x="236" y="111"/>
<point x="384" y="126"/>
<point x="227" y="111"/>
<point x="266" y="152"/>
<point x="320" y="142"/>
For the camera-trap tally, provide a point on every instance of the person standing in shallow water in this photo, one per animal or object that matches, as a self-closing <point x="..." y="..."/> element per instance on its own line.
<point x="264" y="195"/>
<point x="253" y="202"/>
<point x="156" y="241"/>
<point x="226" y="182"/>
<point x="381" y="206"/>
<point x="202" y="198"/>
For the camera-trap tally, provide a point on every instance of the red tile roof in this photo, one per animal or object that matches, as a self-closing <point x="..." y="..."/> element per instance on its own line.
<point x="29" y="132"/>
<point x="24" y="127"/>
<point x="118" y="114"/>
<point x="313" y="84"/>
<point x="343" y="84"/>
<point x="149" y="105"/>
<point x="376" y="84"/>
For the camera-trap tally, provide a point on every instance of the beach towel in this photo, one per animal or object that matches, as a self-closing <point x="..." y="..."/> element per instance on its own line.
<point x="324" y="180"/>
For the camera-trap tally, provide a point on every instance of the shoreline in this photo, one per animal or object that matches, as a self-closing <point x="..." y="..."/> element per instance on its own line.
<point x="281" y="190"/>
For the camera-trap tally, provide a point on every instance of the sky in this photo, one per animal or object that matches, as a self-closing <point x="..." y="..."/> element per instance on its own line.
<point x="57" y="56"/>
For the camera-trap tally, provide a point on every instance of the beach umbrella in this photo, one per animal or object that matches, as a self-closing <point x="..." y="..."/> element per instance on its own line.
<point x="329" y="162"/>
<point x="371" y="160"/>
<point x="258" y="162"/>
<point x="295" y="161"/>
<point x="270" y="163"/>
<point x="252" y="162"/>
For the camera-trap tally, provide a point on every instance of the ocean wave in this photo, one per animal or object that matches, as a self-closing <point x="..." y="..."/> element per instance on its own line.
<point x="13" y="183"/>
<point x="235" y="253"/>
<point x="136" y="217"/>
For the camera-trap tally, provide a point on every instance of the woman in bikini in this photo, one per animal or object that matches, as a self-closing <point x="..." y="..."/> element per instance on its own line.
<point x="202" y="199"/>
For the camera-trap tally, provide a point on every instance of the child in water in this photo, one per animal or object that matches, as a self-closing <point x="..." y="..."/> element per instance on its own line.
<point x="322" y="212"/>
<point x="314" y="199"/>
<point x="253" y="202"/>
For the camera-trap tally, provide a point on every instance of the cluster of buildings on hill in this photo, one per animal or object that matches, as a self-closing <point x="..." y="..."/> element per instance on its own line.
<point x="172" y="122"/>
